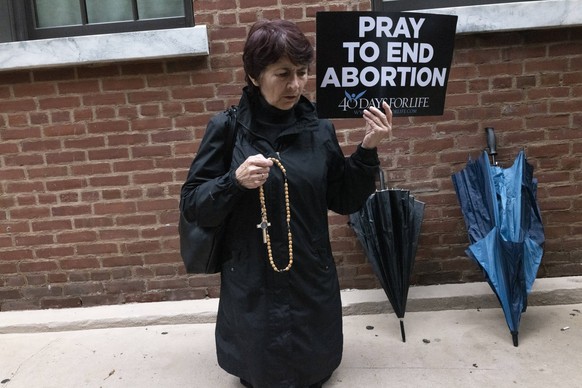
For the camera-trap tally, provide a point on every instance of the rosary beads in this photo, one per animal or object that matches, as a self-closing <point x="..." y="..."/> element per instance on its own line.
<point x="265" y="222"/>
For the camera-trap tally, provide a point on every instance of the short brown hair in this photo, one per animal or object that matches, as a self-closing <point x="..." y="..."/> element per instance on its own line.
<point x="268" y="41"/>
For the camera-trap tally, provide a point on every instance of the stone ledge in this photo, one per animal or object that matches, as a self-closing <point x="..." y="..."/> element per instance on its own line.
<point x="546" y="291"/>
<point x="105" y="48"/>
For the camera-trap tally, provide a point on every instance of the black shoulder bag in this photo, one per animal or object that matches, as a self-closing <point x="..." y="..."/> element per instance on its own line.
<point x="201" y="247"/>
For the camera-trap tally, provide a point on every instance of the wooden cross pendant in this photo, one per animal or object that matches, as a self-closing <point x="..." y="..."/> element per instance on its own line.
<point x="264" y="225"/>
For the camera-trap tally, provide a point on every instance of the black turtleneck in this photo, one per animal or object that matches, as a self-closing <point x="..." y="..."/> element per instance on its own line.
<point x="271" y="121"/>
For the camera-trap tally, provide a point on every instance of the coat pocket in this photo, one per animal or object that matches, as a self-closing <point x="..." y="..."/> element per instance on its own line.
<point x="321" y="248"/>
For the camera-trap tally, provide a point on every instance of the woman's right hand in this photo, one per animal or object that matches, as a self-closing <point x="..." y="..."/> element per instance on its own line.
<point x="253" y="172"/>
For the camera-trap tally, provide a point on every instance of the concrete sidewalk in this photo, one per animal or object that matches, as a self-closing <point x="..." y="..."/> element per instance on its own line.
<point x="456" y="337"/>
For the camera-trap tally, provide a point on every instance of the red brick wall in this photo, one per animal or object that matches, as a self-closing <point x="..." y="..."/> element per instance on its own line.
<point x="92" y="159"/>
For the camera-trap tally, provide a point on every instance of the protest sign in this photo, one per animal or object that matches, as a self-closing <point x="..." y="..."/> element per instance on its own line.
<point x="365" y="58"/>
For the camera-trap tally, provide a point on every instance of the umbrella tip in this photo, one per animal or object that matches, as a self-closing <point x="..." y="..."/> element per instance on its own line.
<point x="515" y="340"/>
<point x="402" y="332"/>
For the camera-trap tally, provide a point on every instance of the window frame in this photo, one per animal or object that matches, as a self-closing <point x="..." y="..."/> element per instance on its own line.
<point x="415" y="5"/>
<point x="22" y="18"/>
<point x="480" y="16"/>
<point x="14" y="18"/>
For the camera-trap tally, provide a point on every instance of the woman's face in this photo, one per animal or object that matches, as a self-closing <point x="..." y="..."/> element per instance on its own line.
<point x="282" y="83"/>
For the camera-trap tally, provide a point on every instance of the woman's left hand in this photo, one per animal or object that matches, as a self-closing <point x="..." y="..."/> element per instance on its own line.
<point x="378" y="125"/>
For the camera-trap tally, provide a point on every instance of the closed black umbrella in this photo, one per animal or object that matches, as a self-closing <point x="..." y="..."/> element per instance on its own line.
<point x="388" y="227"/>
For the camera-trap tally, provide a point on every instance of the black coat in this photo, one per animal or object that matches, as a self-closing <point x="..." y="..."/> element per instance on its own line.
<point x="279" y="329"/>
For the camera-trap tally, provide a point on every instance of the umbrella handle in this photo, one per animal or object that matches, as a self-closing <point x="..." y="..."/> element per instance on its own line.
<point x="382" y="181"/>
<point x="491" y="142"/>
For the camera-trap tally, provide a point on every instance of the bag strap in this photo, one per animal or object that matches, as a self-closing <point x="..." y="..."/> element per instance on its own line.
<point x="231" y="136"/>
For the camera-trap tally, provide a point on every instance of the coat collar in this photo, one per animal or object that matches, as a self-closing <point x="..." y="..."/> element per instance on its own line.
<point x="306" y="115"/>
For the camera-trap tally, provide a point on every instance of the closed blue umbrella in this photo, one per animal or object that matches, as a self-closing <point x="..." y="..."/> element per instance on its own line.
<point x="505" y="229"/>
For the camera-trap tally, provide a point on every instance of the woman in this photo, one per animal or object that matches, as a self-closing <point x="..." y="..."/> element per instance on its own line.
<point x="279" y="321"/>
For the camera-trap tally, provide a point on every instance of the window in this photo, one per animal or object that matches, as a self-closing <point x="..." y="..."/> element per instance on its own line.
<point x="8" y="31"/>
<point x="42" y="19"/>
<point x="413" y="5"/>
<point x="50" y="33"/>
<point x="494" y="15"/>
<point x="5" y="30"/>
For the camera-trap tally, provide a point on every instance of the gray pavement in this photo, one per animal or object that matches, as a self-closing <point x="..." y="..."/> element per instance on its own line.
<point x="456" y="337"/>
